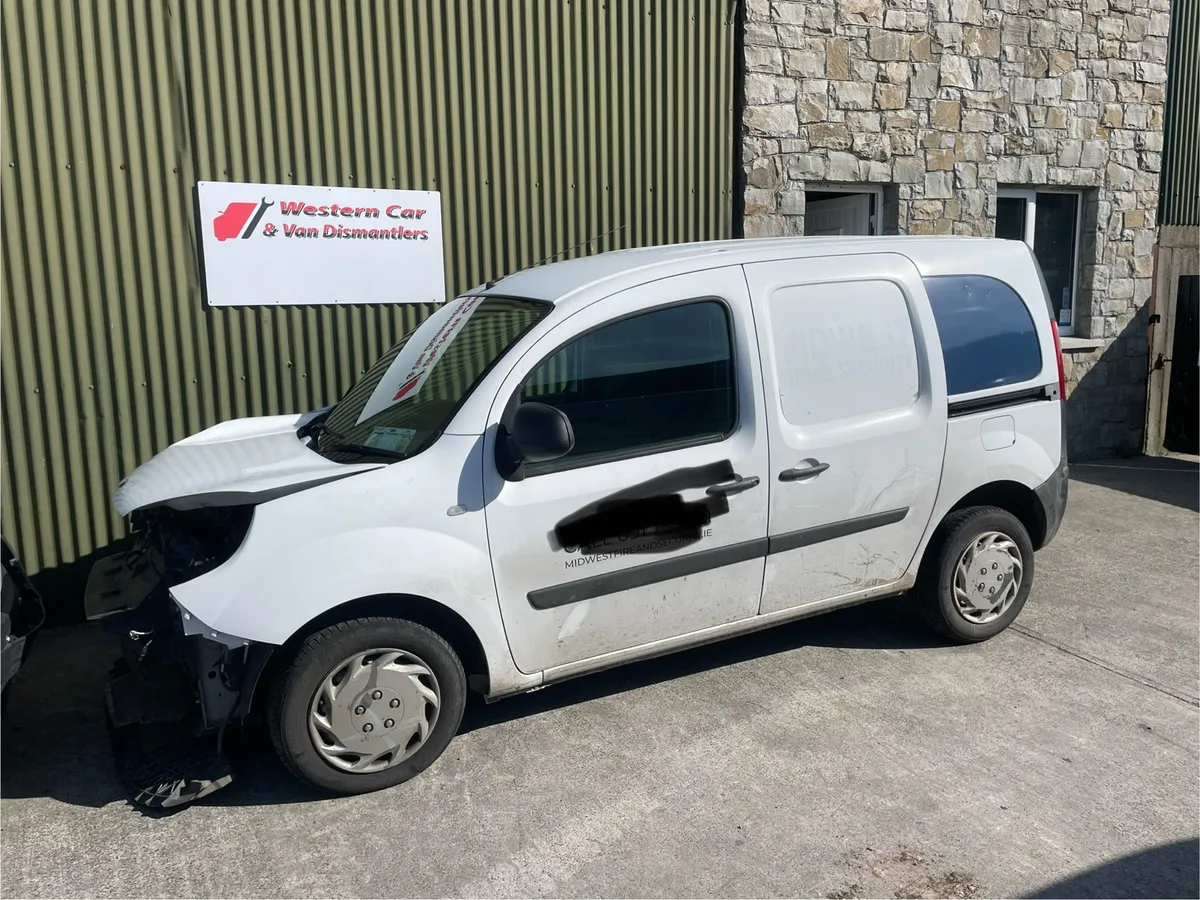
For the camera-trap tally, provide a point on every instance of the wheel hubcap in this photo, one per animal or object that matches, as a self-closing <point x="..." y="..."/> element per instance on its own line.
<point x="988" y="578"/>
<point x="374" y="710"/>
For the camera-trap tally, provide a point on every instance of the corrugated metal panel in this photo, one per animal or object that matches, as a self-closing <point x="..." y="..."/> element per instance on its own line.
<point x="1179" y="200"/>
<point x="542" y="122"/>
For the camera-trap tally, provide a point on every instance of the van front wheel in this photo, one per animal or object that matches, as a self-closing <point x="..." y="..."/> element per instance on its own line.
<point x="979" y="575"/>
<point x="367" y="704"/>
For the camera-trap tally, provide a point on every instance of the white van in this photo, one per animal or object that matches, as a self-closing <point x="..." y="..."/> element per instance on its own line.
<point x="585" y="464"/>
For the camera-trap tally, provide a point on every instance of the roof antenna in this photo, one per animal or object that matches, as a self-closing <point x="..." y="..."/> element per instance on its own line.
<point x="542" y="262"/>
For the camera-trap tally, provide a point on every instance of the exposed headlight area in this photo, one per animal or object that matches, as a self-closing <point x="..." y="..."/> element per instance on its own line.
<point x="189" y="543"/>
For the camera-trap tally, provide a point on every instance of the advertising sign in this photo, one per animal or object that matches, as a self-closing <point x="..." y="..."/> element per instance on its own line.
<point x="294" y="245"/>
<point x="416" y="359"/>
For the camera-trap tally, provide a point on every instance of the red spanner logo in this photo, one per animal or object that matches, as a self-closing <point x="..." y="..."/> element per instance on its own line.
<point x="231" y="223"/>
<point x="406" y="388"/>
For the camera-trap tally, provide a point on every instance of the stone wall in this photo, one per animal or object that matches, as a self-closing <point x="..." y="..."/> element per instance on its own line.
<point x="941" y="100"/>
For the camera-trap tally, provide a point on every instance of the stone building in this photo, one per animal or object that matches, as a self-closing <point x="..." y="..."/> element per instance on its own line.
<point x="1026" y="119"/>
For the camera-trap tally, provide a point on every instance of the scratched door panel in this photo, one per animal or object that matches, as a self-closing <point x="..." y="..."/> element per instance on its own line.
<point x="856" y="412"/>
<point x="620" y="544"/>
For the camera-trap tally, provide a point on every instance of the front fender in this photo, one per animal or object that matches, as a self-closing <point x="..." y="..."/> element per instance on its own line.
<point x="269" y="596"/>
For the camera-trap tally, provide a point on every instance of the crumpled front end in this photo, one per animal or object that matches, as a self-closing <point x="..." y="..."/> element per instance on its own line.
<point x="177" y="684"/>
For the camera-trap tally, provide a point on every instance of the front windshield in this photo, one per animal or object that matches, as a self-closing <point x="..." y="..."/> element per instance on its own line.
<point x="408" y="396"/>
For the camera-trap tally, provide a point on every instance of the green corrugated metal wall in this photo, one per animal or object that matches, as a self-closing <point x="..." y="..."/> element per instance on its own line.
<point x="1179" y="201"/>
<point x="542" y="122"/>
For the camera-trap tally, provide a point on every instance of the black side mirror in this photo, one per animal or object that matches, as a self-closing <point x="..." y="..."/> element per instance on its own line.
<point x="540" y="433"/>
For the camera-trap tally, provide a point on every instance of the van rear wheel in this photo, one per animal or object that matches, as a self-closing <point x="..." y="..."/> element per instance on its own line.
<point x="978" y="577"/>
<point x="367" y="704"/>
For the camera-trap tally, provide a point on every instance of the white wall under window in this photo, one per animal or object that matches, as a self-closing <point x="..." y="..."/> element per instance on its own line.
<point x="1050" y="222"/>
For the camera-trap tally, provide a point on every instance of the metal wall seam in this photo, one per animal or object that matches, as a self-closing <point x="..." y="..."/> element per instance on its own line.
<point x="544" y="124"/>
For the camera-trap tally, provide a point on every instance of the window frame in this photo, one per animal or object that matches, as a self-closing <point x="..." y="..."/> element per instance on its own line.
<point x="1030" y="195"/>
<point x="566" y="464"/>
<point x="874" y="191"/>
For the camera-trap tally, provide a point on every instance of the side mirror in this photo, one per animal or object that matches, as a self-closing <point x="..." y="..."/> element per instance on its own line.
<point x="541" y="433"/>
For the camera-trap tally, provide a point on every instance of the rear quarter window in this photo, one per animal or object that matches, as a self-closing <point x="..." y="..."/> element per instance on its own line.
<point x="987" y="334"/>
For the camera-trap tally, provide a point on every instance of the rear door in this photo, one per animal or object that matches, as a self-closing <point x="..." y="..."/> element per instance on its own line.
<point x="856" y="417"/>
<point x="655" y="525"/>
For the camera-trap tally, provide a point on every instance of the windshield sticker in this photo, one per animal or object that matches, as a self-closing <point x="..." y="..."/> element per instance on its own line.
<point x="394" y="439"/>
<point x="410" y="369"/>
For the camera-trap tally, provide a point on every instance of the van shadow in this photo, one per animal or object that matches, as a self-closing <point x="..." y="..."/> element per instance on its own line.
<point x="1170" y="870"/>
<point x="56" y="744"/>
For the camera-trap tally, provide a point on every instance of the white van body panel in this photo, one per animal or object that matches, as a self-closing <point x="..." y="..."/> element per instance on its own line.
<point x="852" y="387"/>
<point x="382" y="533"/>
<point x="1028" y="461"/>
<point x="235" y="462"/>
<point x="521" y="515"/>
<point x="443" y="525"/>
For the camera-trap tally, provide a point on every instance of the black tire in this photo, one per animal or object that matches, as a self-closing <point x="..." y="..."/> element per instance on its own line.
<point x="292" y="693"/>
<point x="934" y="591"/>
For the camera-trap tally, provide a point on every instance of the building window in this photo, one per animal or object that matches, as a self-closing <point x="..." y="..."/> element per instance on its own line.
<point x="843" y="209"/>
<point x="1049" y="222"/>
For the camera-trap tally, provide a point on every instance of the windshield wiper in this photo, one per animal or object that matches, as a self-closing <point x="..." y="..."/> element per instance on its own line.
<point x="364" y="450"/>
<point x="318" y="427"/>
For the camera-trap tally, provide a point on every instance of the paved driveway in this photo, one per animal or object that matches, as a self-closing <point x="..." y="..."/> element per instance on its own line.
<point x="843" y="756"/>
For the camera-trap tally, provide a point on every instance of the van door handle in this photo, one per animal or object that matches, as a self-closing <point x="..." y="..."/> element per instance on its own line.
<point x="801" y="474"/>
<point x="736" y="486"/>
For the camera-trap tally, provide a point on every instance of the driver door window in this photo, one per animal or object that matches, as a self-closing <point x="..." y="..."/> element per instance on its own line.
<point x="646" y="383"/>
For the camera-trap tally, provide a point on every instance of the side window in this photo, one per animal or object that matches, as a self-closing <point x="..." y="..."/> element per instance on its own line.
<point x="988" y="337"/>
<point x="843" y="350"/>
<point x="648" y="382"/>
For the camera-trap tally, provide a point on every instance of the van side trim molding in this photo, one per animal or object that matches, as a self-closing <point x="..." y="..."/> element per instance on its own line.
<point x="806" y="537"/>
<point x="695" y="563"/>
<point x="650" y="573"/>
<point x="1001" y="401"/>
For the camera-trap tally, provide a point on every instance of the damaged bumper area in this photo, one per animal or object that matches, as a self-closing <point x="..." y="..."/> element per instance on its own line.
<point x="177" y="684"/>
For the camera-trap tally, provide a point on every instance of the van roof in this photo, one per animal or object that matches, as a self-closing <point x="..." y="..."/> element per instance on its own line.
<point x="555" y="282"/>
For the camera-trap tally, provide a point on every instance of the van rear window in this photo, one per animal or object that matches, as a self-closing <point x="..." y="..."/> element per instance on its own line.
<point x="987" y="334"/>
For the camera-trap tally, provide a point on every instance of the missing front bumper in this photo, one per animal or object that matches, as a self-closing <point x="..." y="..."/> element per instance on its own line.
<point x="173" y="692"/>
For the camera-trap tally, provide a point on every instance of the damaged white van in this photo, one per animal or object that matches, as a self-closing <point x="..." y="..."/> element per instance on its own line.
<point x="580" y="465"/>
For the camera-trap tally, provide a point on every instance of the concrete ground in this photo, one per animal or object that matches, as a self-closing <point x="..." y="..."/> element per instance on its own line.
<point x="843" y="756"/>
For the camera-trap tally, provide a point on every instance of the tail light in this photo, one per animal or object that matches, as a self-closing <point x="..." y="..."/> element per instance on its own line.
<point x="1062" y="374"/>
